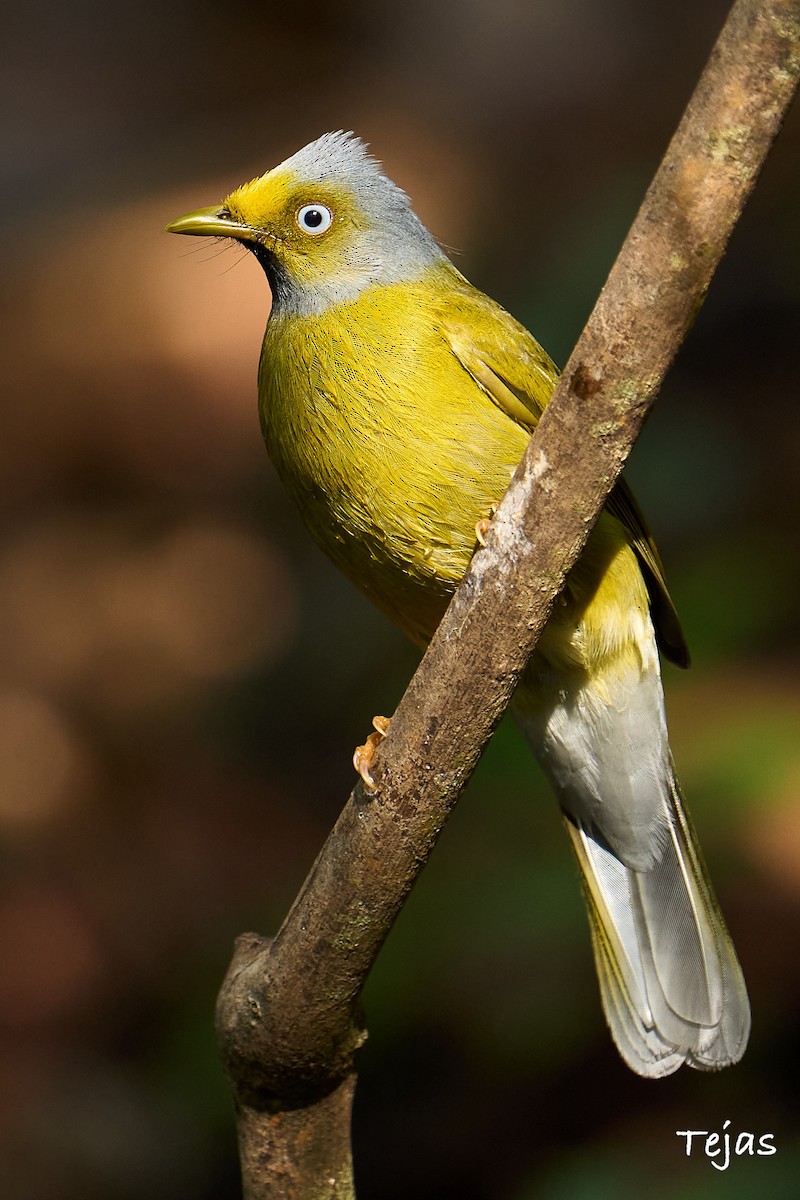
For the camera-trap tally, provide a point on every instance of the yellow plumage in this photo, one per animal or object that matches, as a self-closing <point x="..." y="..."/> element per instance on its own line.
<point x="354" y="454"/>
<point x="396" y="401"/>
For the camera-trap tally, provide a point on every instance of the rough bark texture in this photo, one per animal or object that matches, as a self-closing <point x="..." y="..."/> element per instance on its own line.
<point x="288" y="1014"/>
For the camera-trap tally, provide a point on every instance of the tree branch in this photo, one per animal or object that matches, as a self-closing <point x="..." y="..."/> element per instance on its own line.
<point x="288" y="1012"/>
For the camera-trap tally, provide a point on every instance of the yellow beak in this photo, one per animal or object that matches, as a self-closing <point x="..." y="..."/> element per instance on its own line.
<point x="212" y="222"/>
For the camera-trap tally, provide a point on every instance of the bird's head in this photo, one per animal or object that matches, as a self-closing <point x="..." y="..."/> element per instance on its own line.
<point x="325" y="224"/>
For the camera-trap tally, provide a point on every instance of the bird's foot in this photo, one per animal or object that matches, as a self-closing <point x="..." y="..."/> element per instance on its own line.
<point x="363" y="755"/>
<point x="482" y="526"/>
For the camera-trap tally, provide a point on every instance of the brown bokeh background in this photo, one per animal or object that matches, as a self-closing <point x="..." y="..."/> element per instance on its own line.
<point x="183" y="678"/>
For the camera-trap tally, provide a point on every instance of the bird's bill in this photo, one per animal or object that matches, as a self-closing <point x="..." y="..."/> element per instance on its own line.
<point x="211" y="222"/>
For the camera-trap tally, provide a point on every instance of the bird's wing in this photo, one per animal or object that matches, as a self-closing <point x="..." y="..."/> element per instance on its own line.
<point x="622" y="504"/>
<point x="510" y="366"/>
<point x="503" y="358"/>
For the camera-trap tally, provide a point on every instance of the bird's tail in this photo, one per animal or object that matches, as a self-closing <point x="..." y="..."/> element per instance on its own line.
<point x="670" y="981"/>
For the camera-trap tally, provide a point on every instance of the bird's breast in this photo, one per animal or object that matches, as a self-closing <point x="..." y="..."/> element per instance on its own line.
<point x="388" y="447"/>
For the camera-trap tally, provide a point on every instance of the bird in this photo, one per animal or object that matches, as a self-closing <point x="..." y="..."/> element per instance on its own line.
<point x="396" y="400"/>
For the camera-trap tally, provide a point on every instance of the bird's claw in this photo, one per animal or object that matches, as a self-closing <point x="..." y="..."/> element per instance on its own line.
<point x="482" y="526"/>
<point x="363" y="755"/>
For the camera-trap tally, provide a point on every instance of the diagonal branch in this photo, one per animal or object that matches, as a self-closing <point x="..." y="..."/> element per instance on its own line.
<point x="288" y="1016"/>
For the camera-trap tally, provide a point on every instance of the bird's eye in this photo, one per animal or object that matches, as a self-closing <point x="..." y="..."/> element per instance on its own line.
<point x="314" y="218"/>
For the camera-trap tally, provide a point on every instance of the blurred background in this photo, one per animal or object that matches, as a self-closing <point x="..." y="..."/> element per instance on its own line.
<point x="183" y="677"/>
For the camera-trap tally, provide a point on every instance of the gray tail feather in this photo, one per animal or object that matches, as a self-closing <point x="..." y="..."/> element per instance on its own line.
<point x="670" y="981"/>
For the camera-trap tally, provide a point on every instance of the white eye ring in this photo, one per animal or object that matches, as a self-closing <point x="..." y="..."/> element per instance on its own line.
<point x="314" y="219"/>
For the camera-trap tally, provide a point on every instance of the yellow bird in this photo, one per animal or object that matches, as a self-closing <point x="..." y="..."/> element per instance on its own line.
<point x="396" y="400"/>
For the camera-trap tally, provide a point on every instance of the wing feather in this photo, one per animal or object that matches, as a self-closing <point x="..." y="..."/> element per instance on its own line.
<point x="510" y="366"/>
